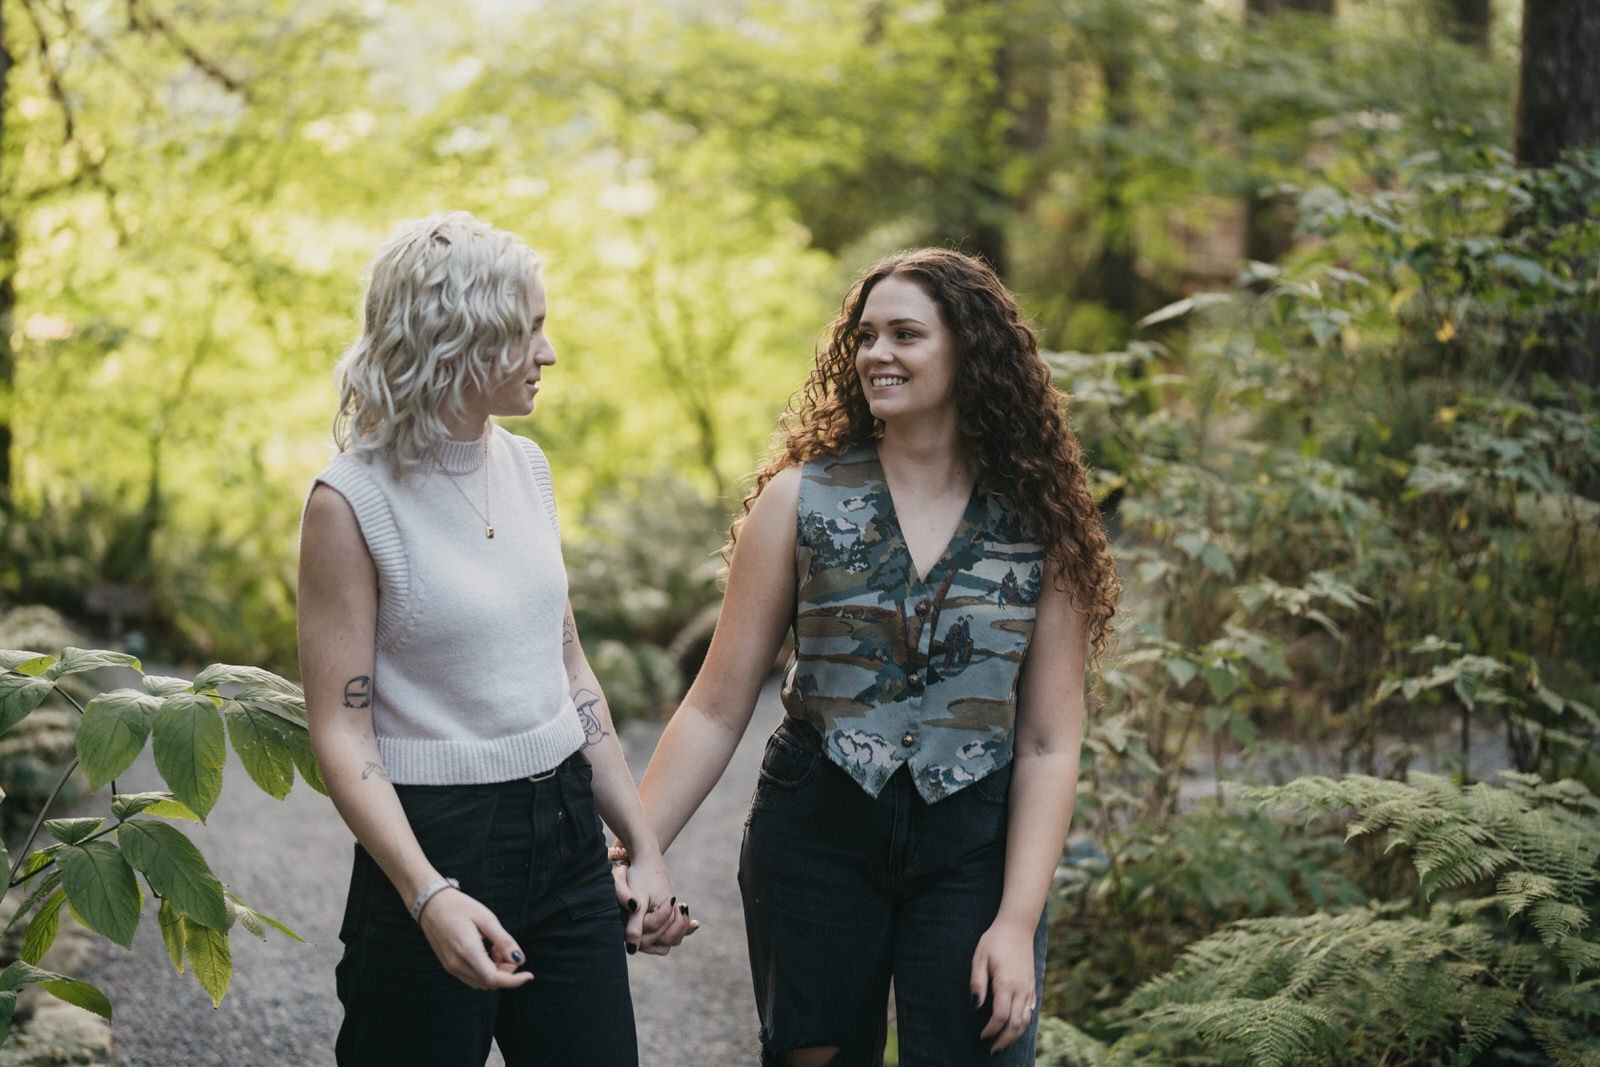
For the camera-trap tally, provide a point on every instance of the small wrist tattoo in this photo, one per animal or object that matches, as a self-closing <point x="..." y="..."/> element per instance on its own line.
<point x="372" y="768"/>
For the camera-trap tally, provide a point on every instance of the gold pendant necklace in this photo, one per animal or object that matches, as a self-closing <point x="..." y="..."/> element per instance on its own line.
<point x="488" y="524"/>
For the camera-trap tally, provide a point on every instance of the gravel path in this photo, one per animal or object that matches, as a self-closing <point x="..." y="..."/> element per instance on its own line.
<point x="291" y="859"/>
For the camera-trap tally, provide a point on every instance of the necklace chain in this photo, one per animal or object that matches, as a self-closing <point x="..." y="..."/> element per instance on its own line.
<point x="488" y="524"/>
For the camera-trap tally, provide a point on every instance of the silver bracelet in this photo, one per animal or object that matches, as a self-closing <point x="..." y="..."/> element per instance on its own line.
<point x="429" y="891"/>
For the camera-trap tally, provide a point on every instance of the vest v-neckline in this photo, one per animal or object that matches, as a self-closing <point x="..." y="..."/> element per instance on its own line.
<point x="958" y="536"/>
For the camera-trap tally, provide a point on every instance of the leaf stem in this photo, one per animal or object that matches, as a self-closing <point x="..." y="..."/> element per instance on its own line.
<point x="33" y="831"/>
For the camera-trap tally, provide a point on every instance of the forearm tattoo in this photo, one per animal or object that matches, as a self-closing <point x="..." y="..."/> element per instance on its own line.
<point x="358" y="692"/>
<point x="588" y="702"/>
<point x="374" y="767"/>
<point x="569" y="630"/>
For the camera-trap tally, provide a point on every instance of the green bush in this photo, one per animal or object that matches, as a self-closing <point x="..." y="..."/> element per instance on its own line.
<point x="1485" y="957"/>
<point x="96" y="863"/>
<point x="643" y="575"/>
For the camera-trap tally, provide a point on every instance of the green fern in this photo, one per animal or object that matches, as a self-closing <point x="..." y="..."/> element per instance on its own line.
<point x="1489" y="946"/>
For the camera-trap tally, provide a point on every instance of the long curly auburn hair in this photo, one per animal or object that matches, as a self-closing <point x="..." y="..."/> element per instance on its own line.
<point x="1011" y="416"/>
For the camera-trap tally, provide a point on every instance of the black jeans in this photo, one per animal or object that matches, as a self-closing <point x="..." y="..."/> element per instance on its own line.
<point x="843" y="891"/>
<point x="534" y="854"/>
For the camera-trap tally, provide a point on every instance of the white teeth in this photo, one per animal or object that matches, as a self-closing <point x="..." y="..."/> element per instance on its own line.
<point x="887" y="381"/>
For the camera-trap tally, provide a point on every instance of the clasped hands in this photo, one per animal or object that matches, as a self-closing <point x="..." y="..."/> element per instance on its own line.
<point x="657" y="920"/>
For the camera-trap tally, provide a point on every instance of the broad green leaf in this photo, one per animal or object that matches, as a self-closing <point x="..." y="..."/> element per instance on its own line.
<point x="212" y="962"/>
<point x="72" y="831"/>
<point x="1182" y="670"/>
<point x="102" y="890"/>
<point x="172" y="935"/>
<point x="127" y="805"/>
<point x="25" y="662"/>
<point x="260" y="686"/>
<point x="176" y="870"/>
<point x="39" y="858"/>
<point x="261" y="740"/>
<point x="1223" y="680"/>
<point x="246" y="676"/>
<point x="190" y="749"/>
<point x="79" y="660"/>
<point x="304" y="757"/>
<point x="19" y="695"/>
<point x="72" y="990"/>
<point x="80" y="994"/>
<point x="43" y="888"/>
<point x="1529" y="271"/>
<point x="114" y="729"/>
<point x="8" y="1008"/>
<point x="42" y="929"/>
<point x="161" y="685"/>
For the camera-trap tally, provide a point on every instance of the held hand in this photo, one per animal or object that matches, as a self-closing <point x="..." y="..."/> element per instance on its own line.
<point x="661" y="921"/>
<point x="1002" y="977"/>
<point x="471" y="943"/>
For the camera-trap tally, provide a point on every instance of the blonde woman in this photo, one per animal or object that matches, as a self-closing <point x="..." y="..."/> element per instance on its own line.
<point x="462" y="734"/>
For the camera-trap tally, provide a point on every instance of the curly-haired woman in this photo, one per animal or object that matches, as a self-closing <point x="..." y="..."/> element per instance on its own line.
<point x="928" y="532"/>
<point x="462" y="734"/>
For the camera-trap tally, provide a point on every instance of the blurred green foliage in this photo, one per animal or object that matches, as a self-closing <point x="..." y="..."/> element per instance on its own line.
<point x="1352" y="483"/>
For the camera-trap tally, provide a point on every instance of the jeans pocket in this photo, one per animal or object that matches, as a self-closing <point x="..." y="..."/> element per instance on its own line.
<point x="451" y="823"/>
<point x="994" y="787"/>
<point x="789" y="761"/>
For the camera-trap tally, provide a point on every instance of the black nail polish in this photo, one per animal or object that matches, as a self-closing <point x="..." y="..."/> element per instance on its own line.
<point x="974" y="1000"/>
<point x="633" y="905"/>
<point x="516" y="957"/>
<point x="683" y="909"/>
<point x="632" y="948"/>
<point x="674" y="900"/>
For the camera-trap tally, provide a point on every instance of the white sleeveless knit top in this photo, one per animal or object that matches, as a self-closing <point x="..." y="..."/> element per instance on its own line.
<point x="469" y="685"/>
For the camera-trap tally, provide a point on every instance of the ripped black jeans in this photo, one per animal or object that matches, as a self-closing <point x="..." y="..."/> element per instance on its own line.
<point x="843" y="891"/>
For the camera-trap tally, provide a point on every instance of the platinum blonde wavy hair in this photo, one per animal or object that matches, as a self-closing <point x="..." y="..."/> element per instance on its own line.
<point x="447" y="306"/>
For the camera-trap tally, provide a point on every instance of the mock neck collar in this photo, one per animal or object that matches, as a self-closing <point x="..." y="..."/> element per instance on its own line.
<point x="463" y="457"/>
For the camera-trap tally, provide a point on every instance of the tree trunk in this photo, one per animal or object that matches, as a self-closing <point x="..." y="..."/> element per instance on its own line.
<point x="975" y="215"/>
<point x="1558" y="110"/>
<point x="1558" y="94"/>
<point x="1468" y="22"/>
<point x="1268" y="220"/>
<point x="8" y="290"/>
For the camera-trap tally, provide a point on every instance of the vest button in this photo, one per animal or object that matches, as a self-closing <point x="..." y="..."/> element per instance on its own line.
<point x="924" y="606"/>
<point x="909" y="739"/>
<point x="913" y="679"/>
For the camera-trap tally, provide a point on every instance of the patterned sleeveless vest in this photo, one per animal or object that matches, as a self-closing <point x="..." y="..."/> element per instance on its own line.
<point x="895" y="669"/>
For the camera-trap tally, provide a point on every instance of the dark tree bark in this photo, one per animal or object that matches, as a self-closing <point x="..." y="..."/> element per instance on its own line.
<point x="1558" y="111"/>
<point x="1274" y="7"/>
<point x="1113" y="278"/>
<point x="1558" y="94"/>
<point x="1468" y="21"/>
<point x="1268" y="220"/>
<point x="8" y="289"/>
<point x="975" y="212"/>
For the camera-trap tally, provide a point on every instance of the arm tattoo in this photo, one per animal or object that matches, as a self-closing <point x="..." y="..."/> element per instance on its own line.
<point x="372" y="768"/>
<point x="588" y="702"/>
<point x="358" y="692"/>
<point x="569" y="629"/>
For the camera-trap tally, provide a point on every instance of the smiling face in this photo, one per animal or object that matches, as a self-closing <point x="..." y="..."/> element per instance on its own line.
<point x="519" y="392"/>
<point x="906" y="361"/>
